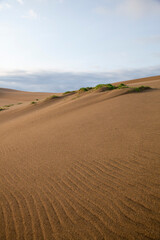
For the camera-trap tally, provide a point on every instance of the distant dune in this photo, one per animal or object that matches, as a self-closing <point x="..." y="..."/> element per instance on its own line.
<point x="9" y="96"/>
<point x="80" y="166"/>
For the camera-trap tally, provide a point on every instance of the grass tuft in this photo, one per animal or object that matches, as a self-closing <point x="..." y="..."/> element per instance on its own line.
<point x="9" y="105"/>
<point x="89" y="88"/>
<point x="99" y="86"/>
<point x="83" y="89"/>
<point x="110" y="87"/>
<point x="68" y="92"/>
<point x="140" y="89"/>
<point x="53" y="97"/>
<point x="122" y="85"/>
<point x="2" y="108"/>
<point x="105" y="87"/>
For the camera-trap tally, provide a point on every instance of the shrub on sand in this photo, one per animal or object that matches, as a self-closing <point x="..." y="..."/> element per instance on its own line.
<point x="83" y="89"/>
<point x="99" y="86"/>
<point x="89" y="88"/>
<point x="110" y="87"/>
<point x="140" y="89"/>
<point x="68" y="92"/>
<point x="105" y="87"/>
<point x="53" y="97"/>
<point x="122" y="85"/>
<point x="9" y="105"/>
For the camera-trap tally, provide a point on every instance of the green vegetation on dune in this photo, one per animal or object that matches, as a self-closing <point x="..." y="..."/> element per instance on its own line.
<point x="53" y="97"/>
<point x="86" y="89"/>
<point x="89" y="88"/>
<point x="99" y="86"/>
<point x="105" y="86"/>
<point x="6" y="107"/>
<point x="9" y="105"/>
<point x="2" y="108"/>
<point x="109" y="87"/>
<point x="83" y="89"/>
<point x="120" y="86"/>
<point x="140" y="89"/>
<point x="69" y="92"/>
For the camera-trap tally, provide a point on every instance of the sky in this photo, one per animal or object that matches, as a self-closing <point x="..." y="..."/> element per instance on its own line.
<point x="60" y="45"/>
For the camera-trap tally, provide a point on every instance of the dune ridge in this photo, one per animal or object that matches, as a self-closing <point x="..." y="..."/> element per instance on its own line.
<point x="81" y="167"/>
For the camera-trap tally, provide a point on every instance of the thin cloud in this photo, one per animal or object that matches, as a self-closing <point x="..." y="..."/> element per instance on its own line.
<point x="48" y="81"/>
<point x="131" y="8"/>
<point x="5" y="6"/>
<point x="31" y="14"/>
<point x="20" y="2"/>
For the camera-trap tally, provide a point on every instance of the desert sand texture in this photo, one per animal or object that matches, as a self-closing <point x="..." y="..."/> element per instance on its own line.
<point x="81" y="166"/>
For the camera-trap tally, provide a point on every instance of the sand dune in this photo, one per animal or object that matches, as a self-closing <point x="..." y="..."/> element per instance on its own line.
<point x="81" y="167"/>
<point x="9" y="96"/>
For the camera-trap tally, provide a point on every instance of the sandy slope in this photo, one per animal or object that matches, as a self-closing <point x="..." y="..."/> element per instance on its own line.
<point x="82" y="167"/>
<point x="9" y="96"/>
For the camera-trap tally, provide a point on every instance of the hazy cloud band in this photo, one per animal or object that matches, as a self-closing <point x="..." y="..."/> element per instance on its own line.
<point x="48" y="81"/>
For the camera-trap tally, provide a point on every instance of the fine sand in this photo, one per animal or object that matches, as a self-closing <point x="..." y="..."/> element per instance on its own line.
<point x="83" y="166"/>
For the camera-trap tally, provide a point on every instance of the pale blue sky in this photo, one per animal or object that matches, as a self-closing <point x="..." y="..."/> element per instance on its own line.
<point x="62" y="38"/>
